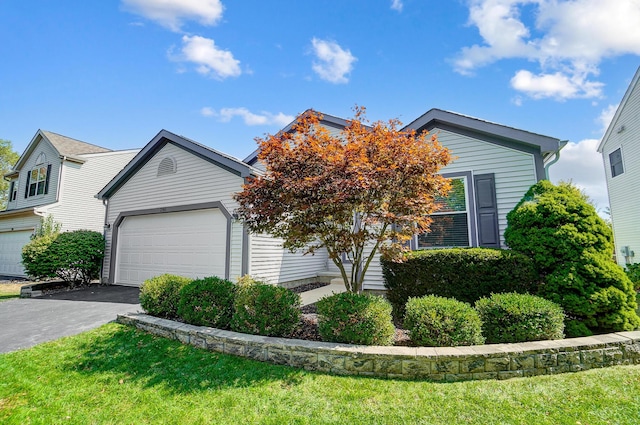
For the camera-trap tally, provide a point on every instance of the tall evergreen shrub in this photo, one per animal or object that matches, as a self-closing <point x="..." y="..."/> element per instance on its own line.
<point x="572" y="248"/>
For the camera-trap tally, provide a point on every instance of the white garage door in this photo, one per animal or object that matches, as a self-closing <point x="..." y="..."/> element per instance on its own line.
<point x="187" y="243"/>
<point x="11" y="244"/>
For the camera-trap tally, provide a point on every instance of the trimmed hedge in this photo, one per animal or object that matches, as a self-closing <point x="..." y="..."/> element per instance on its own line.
<point x="160" y="295"/>
<point x="207" y="302"/>
<point x="263" y="309"/>
<point x="466" y="274"/>
<point x="434" y="321"/>
<point x="355" y="319"/>
<point x="512" y="317"/>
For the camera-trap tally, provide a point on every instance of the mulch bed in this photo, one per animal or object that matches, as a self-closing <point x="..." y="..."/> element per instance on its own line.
<point x="308" y="287"/>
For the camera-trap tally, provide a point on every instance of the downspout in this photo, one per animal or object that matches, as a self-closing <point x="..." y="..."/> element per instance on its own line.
<point x="105" y="228"/>
<point x="62" y="159"/>
<point x="555" y="159"/>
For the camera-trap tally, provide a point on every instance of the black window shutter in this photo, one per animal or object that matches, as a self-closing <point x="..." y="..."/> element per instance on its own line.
<point x="487" y="210"/>
<point x="26" y="189"/>
<point x="9" y="198"/>
<point x="46" y="184"/>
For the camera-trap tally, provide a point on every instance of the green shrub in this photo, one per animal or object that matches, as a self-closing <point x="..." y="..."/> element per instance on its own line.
<point x="572" y="247"/>
<point x="355" y="319"/>
<point x="207" y="302"/>
<point x="633" y="273"/>
<point x="77" y="256"/>
<point x="263" y="309"/>
<point x="512" y="317"/>
<point x="35" y="259"/>
<point x="464" y="274"/>
<point x="160" y="295"/>
<point x="37" y="264"/>
<point x="435" y="321"/>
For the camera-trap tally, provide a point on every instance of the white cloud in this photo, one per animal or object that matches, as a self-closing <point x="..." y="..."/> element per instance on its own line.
<point x="606" y="116"/>
<point x="581" y="164"/>
<point x="207" y="112"/>
<point x="567" y="38"/>
<point x="209" y="59"/>
<point x="556" y="85"/>
<point x="397" y="5"/>
<point x="333" y="62"/>
<point x="172" y="13"/>
<point x="249" y="118"/>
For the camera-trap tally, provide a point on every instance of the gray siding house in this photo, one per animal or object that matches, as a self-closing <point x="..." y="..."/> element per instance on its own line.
<point x="171" y="209"/>
<point x="58" y="176"/>
<point x="620" y="149"/>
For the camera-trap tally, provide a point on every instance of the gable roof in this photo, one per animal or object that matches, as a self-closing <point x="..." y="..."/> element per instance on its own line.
<point x="164" y="137"/>
<point x="327" y="119"/>
<point x="616" y="116"/>
<point x="65" y="146"/>
<point x="458" y="122"/>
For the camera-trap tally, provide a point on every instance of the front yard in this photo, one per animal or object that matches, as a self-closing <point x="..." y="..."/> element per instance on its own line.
<point x="10" y="290"/>
<point x="116" y="374"/>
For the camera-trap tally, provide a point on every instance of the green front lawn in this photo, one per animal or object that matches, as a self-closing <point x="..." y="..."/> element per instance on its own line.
<point x="9" y="290"/>
<point x="118" y="375"/>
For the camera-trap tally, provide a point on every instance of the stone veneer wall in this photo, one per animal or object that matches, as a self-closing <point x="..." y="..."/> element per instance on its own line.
<point x="494" y="361"/>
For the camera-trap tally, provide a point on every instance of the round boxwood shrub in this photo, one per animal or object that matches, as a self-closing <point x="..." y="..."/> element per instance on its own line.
<point x="77" y="256"/>
<point x="263" y="309"/>
<point x="160" y="295"/>
<point x="207" y="302"/>
<point x="355" y="319"/>
<point x="512" y="317"/>
<point x="435" y="321"/>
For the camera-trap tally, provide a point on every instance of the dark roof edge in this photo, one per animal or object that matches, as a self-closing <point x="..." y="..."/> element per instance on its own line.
<point x="163" y="137"/>
<point x="330" y="120"/>
<point x="433" y="116"/>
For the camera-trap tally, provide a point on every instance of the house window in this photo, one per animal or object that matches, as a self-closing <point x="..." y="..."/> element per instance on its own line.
<point x="13" y="191"/>
<point x="38" y="181"/>
<point x="615" y="159"/>
<point x="450" y="224"/>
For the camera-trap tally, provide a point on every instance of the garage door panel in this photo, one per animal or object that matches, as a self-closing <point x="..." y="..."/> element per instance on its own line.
<point x="11" y="244"/>
<point x="188" y="243"/>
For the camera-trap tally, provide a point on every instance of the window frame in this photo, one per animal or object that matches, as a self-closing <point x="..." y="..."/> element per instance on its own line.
<point x="38" y="187"/>
<point x="467" y="178"/>
<point x="613" y="166"/>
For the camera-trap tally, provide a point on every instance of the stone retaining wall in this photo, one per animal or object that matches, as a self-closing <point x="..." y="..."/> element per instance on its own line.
<point x="494" y="361"/>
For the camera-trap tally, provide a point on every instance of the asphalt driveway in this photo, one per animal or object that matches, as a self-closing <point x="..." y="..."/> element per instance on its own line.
<point x="25" y="322"/>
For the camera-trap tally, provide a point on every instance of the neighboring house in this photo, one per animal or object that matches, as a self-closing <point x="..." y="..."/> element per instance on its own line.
<point x="172" y="209"/>
<point x="620" y="149"/>
<point x="59" y="176"/>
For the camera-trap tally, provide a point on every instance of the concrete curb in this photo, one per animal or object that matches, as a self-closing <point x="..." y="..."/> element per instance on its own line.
<point x="493" y="361"/>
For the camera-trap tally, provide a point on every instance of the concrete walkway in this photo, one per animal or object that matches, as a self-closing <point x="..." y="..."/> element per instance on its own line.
<point x="310" y="297"/>
<point x="25" y="322"/>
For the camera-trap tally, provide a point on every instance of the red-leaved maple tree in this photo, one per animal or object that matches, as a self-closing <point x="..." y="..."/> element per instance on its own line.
<point x="369" y="188"/>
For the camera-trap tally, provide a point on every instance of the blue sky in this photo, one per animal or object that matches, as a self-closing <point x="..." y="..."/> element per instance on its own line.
<point x="114" y="73"/>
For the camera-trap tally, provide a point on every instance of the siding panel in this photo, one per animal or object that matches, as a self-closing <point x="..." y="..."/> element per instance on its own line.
<point x="196" y="181"/>
<point x="624" y="196"/>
